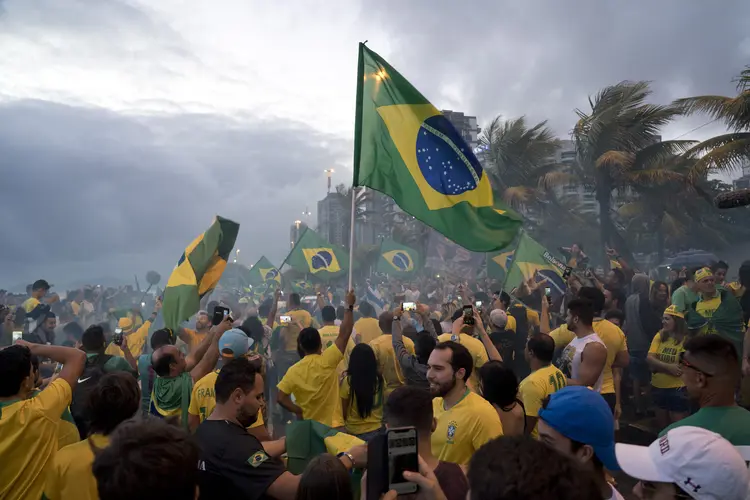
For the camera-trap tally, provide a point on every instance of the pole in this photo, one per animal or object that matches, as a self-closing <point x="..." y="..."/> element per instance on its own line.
<point x="351" y="239"/>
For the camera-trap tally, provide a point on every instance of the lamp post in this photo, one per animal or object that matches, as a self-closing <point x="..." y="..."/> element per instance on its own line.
<point x="329" y="172"/>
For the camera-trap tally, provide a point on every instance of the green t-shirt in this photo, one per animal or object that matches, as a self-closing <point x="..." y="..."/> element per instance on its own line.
<point x="730" y="422"/>
<point x="683" y="297"/>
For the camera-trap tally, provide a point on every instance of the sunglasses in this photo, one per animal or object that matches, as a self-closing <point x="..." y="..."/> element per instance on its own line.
<point x="684" y="362"/>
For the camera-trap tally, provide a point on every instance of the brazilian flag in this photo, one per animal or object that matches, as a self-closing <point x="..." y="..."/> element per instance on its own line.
<point x="198" y="271"/>
<point x="396" y="259"/>
<point x="498" y="264"/>
<point x="264" y="272"/>
<point x="532" y="260"/>
<point x="404" y="147"/>
<point x="314" y="255"/>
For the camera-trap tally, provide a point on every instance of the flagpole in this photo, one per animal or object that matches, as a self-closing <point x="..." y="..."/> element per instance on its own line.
<point x="351" y="238"/>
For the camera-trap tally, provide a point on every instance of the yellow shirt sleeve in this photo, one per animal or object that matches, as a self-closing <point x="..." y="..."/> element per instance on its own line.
<point x="511" y="324"/>
<point x="488" y="427"/>
<point x="286" y="385"/>
<point x="53" y="400"/>
<point x="194" y="408"/>
<point x="532" y="317"/>
<point x="562" y="336"/>
<point x="332" y="357"/>
<point x="532" y="396"/>
<point x="259" y="422"/>
<point x="344" y="388"/>
<point x="654" y="349"/>
<point x="137" y="339"/>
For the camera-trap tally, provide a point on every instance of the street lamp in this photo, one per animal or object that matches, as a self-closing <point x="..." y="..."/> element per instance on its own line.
<point x="328" y="172"/>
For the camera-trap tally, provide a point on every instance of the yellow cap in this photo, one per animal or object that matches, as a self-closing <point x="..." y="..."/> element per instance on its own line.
<point x="704" y="273"/>
<point x="126" y="324"/>
<point x="672" y="311"/>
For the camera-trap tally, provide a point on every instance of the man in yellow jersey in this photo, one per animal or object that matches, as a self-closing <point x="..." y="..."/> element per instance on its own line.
<point x="136" y="337"/>
<point x="475" y="347"/>
<point x="232" y="345"/>
<point x="312" y="380"/>
<point x="176" y="374"/>
<point x="37" y="305"/>
<point x="289" y="333"/>
<point x="114" y="399"/>
<point x="202" y="326"/>
<point x="544" y="379"/>
<point x="388" y="365"/>
<point x="614" y="340"/>
<point x="329" y="331"/>
<point x="29" y="426"/>
<point x="465" y="420"/>
<point x="366" y="329"/>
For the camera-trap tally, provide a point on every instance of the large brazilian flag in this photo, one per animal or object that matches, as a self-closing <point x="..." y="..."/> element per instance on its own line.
<point x="404" y="147"/>
<point x="198" y="271"/>
<point x="264" y="272"/>
<point x="532" y="260"/>
<point x="397" y="260"/>
<point x="314" y="255"/>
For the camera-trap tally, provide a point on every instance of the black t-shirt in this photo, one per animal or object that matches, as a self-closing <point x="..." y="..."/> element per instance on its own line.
<point x="233" y="463"/>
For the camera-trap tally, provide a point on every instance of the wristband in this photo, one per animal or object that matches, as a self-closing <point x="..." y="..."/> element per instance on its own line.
<point x="347" y="455"/>
<point x="351" y="307"/>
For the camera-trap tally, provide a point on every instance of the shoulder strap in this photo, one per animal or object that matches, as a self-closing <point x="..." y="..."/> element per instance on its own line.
<point x="99" y="360"/>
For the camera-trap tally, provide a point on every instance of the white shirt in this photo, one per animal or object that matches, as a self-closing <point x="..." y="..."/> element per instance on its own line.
<point x="615" y="494"/>
<point x="570" y="361"/>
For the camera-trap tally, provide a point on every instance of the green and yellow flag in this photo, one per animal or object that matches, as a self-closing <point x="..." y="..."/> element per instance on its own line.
<point x="264" y="272"/>
<point x="198" y="271"/>
<point x="498" y="264"/>
<point x="314" y="255"/>
<point x="397" y="260"/>
<point x="532" y="260"/>
<point x="404" y="147"/>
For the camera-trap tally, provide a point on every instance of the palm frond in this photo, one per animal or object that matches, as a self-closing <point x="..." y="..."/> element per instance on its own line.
<point x="554" y="179"/>
<point x="620" y="159"/>
<point x="517" y="195"/>
<point x="729" y="158"/>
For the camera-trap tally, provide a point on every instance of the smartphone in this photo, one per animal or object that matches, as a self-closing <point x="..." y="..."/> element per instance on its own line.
<point x="468" y="315"/>
<point x="401" y="443"/>
<point x="285" y="320"/>
<point x="409" y="306"/>
<point x="117" y="337"/>
<point x="220" y="312"/>
<point x="547" y="291"/>
<point x="566" y="273"/>
<point x="478" y="303"/>
<point x="17" y="335"/>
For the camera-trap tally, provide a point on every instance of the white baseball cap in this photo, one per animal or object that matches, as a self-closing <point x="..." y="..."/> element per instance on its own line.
<point x="700" y="462"/>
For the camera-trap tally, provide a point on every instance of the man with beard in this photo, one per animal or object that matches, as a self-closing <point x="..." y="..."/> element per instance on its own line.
<point x="233" y="463"/>
<point x="584" y="358"/>
<point x="193" y="338"/>
<point x="465" y="420"/>
<point x="44" y="333"/>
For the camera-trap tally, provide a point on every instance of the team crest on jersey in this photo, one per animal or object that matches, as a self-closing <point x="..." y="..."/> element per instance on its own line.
<point x="451" y="431"/>
<point x="257" y="459"/>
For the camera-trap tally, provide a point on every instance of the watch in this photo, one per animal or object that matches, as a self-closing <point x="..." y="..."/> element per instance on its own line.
<point x="351" y="307"/>
<point x="397" y="318"/>
<point x="347" y="455"/>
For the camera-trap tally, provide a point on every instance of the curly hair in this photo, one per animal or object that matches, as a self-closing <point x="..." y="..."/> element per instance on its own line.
<point x="508" y="468"/>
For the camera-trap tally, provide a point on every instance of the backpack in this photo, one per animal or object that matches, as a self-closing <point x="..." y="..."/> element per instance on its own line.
<point x="92" y="373"/>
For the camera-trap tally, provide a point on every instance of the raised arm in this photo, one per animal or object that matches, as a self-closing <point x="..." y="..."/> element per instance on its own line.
<point x="274" y="308"/>
<point x="206" y="355"/>
<point x="347" y="325"/>
<point x="492" y="351"/>
<point x="72" y="360"/>
<point x="544" y="317"/>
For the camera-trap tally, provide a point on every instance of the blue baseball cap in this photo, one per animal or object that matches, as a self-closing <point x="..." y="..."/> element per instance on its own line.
<point x="582" y="415"/>
<point x="234" y="344"/>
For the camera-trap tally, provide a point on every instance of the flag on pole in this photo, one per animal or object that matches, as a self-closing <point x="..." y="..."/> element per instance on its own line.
<point x="314" y="255"/>
<point x="264" y="272"/>
<point x="397" y="260"/>
<point x="198" y="271"/>
<point x="532" y="260"/>
<point x="498" y="264"/>
<point x="404" y="147"/>
<point x="375" y="299"/>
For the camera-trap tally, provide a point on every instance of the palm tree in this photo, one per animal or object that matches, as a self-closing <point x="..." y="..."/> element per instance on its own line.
<point x="728" y="151"/>
<point x="620" y="131"/>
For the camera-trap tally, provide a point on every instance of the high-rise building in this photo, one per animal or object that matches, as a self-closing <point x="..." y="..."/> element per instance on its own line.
<point x="466" y="126"/>
<point x="332" y="219"/>
<point x="295" y="231"/>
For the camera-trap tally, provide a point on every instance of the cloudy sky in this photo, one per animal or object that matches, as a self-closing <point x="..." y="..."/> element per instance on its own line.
<point x="125" y="125"/>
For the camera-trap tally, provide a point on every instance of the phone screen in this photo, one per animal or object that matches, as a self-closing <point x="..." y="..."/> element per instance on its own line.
<point x="409" y="306"/>
<point x="285" y="320"/>
<point x="478" y="303"/>
<point x="402" y="456"/>
<point x="468" y="315"/>
<point x="566" y="273"/>
<point x="17" y="335"/>
<point x="547" y="291"/>
<point x="117" y="337"/>
<point x="220" y="312"/>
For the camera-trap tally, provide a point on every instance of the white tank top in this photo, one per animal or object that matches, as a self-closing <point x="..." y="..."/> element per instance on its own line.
<point x="570" y="360"/>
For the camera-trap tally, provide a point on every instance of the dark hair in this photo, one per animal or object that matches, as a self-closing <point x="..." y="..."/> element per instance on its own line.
<point x="460" y="357"/>
<point x="543" y="347"/>
<point x="294" y="300"/>
<point x="744" y="274"/>
<point x="328" y="313"/>
<point x="364" y="380"/>
<point x="409" y="406"/>
<point x="163" y="363"/>
<point x="93" y="339"/>
<point x="583" y="309"/>
<point x="678" y="283"/>
<point x="720" y="265"/>
<point x="617" y="294"/>
<point x="237" y="373"/>
<point x="502" y="470"/>
<point x="593" y="295"/>
<point x="505" y="299"/>
<point x="147" y="459"/>
<point x="366" y="309"/>
<point x="499" y="384"/>
<point x="655" y="288"/>
<point x="15" y="366"/>
<point x="309" y="340"/>
<point x="253" y="328"/>
<point x="423" y="347"/>
<point x="385" y="322"/>
<point x="265" y="308"/>
<point x="457" y="314"/>
<point x="713" y="346"/>
<point x="691" y="272"/>
<point x="325" y="477"/>
<point x="161" y="337"/>
<point x="615" y="314"/>
<point x="74" y="330"/>
<point x="620" y="275"/>
<point x="340" y="311"/>
<point x="577" y="445"/>
<point x="114" y="399"/>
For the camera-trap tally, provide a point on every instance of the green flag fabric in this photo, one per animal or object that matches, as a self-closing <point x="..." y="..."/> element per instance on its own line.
<point x="404" y="147"/>
<point x="198" y="271"/>
<point x="315" y="256"/>
<point x="532" y="260"/>
<point x="264" y="272"/>
<point x="397" y="260"/>
<point x="498" y="264"/>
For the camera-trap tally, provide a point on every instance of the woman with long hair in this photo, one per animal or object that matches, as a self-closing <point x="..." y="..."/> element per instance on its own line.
<point x="499" y="386"/>
<point x="362" y="394"/>
<point x="325" y="477"/>
<point x="659" y="297"/>
<point x="667" y="388"/>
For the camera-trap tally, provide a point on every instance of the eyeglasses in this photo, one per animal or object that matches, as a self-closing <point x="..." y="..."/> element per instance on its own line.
<point x="684" y="362"/>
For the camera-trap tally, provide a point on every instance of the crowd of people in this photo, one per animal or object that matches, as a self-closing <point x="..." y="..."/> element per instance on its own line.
<point x="512" y="395"/>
